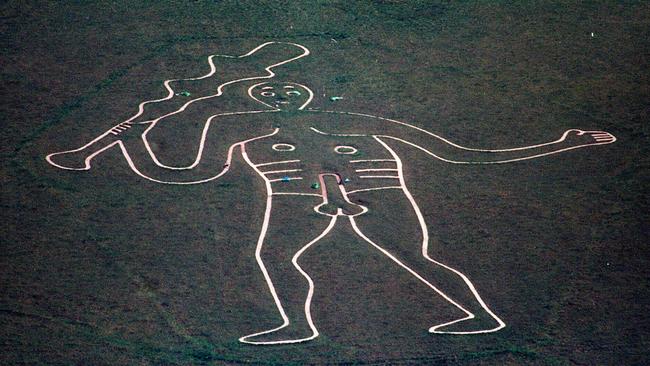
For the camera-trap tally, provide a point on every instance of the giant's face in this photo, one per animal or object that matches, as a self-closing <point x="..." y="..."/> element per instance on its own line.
<point x="282" y="95"/>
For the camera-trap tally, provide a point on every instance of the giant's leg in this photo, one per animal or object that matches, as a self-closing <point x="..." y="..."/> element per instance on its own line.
<point x="395" y="226"/>
<point x="290" y="227"/>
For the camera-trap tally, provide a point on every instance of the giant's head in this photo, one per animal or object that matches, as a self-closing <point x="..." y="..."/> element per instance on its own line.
<point x="282" y="95"/>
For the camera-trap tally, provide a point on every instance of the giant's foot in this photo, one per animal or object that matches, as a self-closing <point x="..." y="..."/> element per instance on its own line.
<point x="485" y="323"/>
<point x="286" y="335"/>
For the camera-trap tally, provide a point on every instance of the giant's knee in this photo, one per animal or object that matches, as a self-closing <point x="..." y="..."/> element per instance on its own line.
<point x="277" y="258"/>
<point x="282" y="267"/>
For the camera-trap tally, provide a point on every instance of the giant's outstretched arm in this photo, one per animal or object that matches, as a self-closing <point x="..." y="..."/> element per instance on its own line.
<point x="211" y="160"/>
<point x="360" y="124"/>
<point x="447" y="151"/>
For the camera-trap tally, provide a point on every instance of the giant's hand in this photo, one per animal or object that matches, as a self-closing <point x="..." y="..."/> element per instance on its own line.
<point x="80" y="158"/>
<point x="575" y="138"/>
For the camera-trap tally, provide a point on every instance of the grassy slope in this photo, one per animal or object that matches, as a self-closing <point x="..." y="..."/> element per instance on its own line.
<point x="102" y="268"/>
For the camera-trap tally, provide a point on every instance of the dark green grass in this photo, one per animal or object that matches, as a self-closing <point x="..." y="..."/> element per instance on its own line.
<point x="103" y="268"/>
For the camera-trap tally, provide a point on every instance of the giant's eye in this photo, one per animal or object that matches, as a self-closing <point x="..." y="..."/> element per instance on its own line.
<point x="293" y="93"/>
<point x="267" y="94"/>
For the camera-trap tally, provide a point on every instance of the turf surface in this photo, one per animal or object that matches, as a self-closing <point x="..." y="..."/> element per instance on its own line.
<point x="103" y="268"/>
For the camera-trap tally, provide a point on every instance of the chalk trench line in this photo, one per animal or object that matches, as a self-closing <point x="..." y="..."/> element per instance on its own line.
<point x="600" y="137"/>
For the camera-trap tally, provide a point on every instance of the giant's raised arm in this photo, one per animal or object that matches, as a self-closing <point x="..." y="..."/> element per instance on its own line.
<point x="210" y="160"/>
<point x="261" y="61"/>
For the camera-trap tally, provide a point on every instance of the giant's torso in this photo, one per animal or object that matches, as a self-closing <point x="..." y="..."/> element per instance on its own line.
<point x="306" y="145"/>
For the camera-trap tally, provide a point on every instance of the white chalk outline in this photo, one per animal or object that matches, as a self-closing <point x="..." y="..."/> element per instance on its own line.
<point x="378" y="177"/>
<point x="171" y="93"/>
<point x="425" y="253"/>
<point x="278" y="162"/>
<point x="376" y="170"/>
<point x="295" y="194"/>
<point x="374" y="189"/>
<point x="294" y="261"/>
<point x="282" y="146"/>
<point x="283" y="171"/>
<point x="285" y="179"/>
<point x="600" y="138"/>
<point x="370" y="160"/>
<point x="343" y="192"/>
<point x="276" y="107"/>
<point x="604" y="139"/>
<point x="350" y="150"/>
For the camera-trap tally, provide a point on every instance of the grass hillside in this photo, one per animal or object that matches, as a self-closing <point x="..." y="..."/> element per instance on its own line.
<point x="101" y="267"/>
